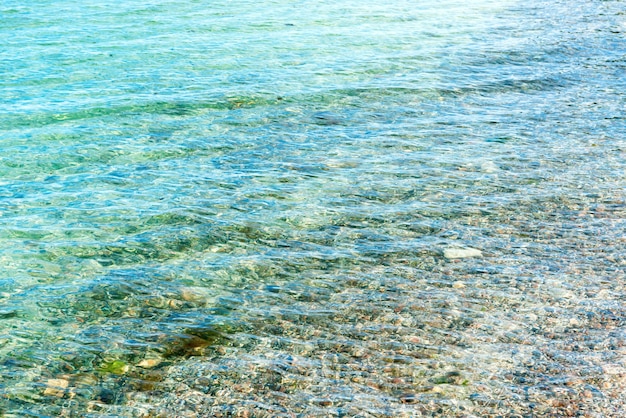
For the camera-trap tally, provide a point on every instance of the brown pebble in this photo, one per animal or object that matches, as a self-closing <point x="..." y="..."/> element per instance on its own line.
<point x="191" y="295"/>
<point x="149" y="363"/>
<point x="408" y="398"/>
<point x="174" y="304"/>
<point x="574" y="382"/>
<point x="56" y="387"/>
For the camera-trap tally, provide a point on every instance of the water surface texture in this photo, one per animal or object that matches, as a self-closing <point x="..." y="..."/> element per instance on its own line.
<point x="255" y="209"/>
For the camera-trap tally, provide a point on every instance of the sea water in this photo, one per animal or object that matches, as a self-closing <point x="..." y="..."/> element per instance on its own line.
<point x="312" y="208"/>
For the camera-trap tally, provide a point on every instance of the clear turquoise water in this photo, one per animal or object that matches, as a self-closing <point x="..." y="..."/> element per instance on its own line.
<point x="242" y="208"/>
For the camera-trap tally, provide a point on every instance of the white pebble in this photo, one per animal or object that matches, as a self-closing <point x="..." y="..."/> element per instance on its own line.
<point x="461" y="252"/>
<point x="489" y="167"/>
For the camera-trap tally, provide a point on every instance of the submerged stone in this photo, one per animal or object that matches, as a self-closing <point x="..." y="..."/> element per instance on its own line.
<point x="327" y="118"/>
<point x="56" y="387"/>
<point x="186" y="345"/>
<point x="451" y="253"/>
<point x="114" y="367"/>
<point x="149" y="363"/>
<point x="450" y="378"/>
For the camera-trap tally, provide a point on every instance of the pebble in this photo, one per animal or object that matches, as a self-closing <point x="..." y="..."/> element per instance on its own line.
<point x="56" y="387"/>
<point x="452" y="253"/>
<point x="489" y="167"/>
<point x="409" y="398"/>
<point x="613" y="369"/>
<point x="92" y="264"/>
<point x="531" y="317"/>
<point x="327" y="118"/>
<point x="190" y="294"/>
<point x="149" y="363"/>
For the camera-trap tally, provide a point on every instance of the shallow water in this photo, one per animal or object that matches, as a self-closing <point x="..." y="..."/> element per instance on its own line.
<point x="243" y="208"/>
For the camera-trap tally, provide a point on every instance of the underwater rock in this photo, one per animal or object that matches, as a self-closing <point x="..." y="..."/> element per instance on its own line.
<point x="452" y="253"/>
<point x="114" y="367"/>
<point x="149" y="363"/>
<point x="489" y="167"/>
<point x="327" y="118"/>
<point x="186" y="345"/>
<point x="450" y="378"/>
<point x="409" y="398"/>
<point x="56" y="387"/>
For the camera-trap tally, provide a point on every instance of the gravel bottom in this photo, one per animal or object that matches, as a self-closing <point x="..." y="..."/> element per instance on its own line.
<point x="509" y="334"/>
